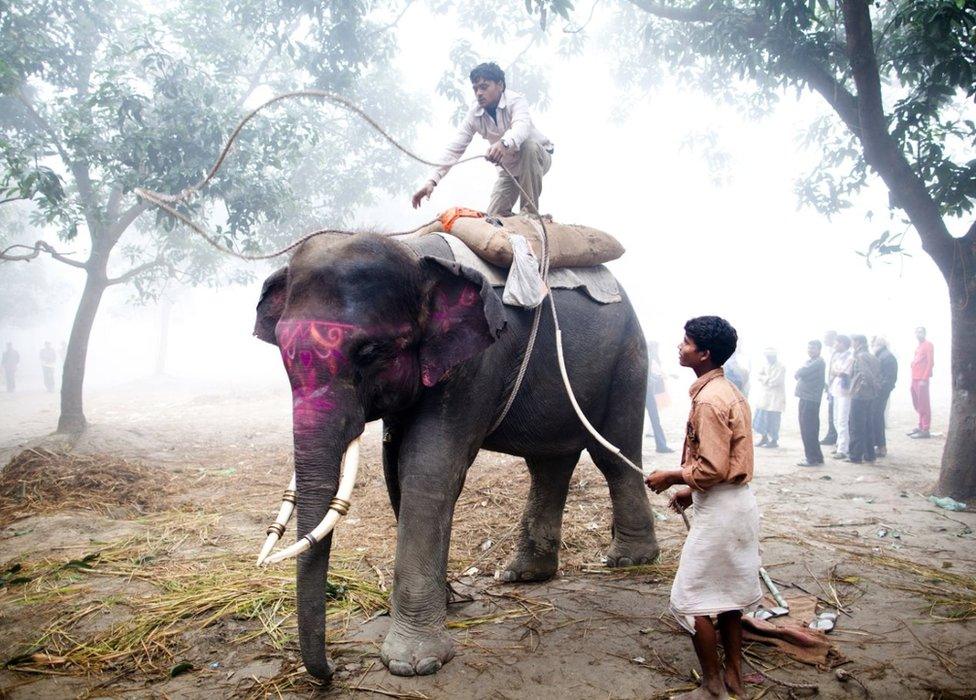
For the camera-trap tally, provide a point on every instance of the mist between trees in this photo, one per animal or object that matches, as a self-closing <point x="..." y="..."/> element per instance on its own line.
<point x="99" y="98"/>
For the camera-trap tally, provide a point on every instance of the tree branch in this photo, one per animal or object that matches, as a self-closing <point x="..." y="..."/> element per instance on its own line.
<point x="37" y="249"/>
<point x="41" y="123"/>
<point x="114" y="202"/>
<point x="836" y="95"/>
<point x="696" y="13"/>
<point x="881" y="151"/>
<point x="138" y="270"/>
<point x="79" y="169"/>
<point x="118" y="227"/>
<point x="394" y="23"/>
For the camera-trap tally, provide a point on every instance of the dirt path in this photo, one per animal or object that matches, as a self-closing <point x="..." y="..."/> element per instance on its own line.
<point x="111" y="601"/>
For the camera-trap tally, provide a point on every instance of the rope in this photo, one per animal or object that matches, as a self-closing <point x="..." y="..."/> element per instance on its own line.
<point x="165" y="202"/>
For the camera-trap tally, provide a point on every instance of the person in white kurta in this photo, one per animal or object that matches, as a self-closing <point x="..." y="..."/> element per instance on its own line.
<point x="839" y="386"/>
<point x="772" y="400"/>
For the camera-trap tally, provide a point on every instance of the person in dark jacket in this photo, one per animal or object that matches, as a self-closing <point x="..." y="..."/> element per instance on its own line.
<point x="809" y="390"/>
<point x="889" y="376"/>
<point x="830" y="342"/>
<point x="865" y="386"/>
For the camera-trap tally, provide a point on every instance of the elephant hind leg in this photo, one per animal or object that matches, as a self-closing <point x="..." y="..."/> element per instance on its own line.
<point x="537" y="556"/>
<point x="634" y="541"/>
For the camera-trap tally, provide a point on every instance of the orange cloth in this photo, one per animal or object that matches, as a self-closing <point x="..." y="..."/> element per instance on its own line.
<point x="718" y="439"/>
<point x="449" y="216"/>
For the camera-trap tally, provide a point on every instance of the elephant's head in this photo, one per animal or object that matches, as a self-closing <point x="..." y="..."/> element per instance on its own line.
<point x="363" y="326"/>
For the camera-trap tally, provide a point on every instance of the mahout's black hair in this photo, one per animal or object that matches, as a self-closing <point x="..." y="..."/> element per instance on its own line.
<point x="714" y="334"/>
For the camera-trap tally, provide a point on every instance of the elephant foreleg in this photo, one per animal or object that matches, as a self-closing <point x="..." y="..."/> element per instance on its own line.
<point x="417" y="642"/>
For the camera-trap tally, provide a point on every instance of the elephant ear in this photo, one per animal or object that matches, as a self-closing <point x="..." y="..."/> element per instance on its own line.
<point x="270" y="305"/>
<point x="462" y="317"/>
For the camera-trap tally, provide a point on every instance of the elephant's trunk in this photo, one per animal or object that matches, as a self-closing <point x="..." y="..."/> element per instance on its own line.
<point x="318" y="455"/>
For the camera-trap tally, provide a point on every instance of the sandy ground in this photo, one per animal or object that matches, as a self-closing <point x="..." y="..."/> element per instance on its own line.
<point x="864" y="537"/>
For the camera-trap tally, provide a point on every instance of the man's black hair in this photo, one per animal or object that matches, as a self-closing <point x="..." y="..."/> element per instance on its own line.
<point x="713" y="334"/>
<point x="859" y="340"/>
<point x="817" y="343"/>
<point x="488" y="71"/>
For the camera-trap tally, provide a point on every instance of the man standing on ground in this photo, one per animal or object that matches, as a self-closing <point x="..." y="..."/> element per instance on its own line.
<point x="718" y="574"/>
<point x="772" y="401"/>
<point x="839" y="386"/>
<point x="829" y="343"/>
<point x="502" y="117"/>
<point x="809" y="391"/>
<point x="865" y="386"/>
<point x="655" y="387"/>
<point x="11" y="358"/>
<point x="48" y="360"/>
<point x="922" y="365"/>
<point x="889" y="376"/>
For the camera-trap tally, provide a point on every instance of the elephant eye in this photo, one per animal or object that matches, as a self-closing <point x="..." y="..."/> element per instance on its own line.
<point x="370" y="351"/>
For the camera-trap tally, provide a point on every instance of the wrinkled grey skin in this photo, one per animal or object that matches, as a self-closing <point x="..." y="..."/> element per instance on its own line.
<point x="407" y="331"/>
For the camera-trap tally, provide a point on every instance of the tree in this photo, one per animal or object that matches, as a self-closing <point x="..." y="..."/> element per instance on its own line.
<point x="900" y="78"/>
<point x="99" y="97"/>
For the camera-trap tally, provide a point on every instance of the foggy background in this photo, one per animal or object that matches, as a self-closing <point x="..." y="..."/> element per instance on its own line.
<point x="704" y="235"/>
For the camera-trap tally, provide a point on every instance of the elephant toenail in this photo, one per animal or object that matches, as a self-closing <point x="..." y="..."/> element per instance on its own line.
<point x="509" y="575"/>
<point x="427" y="666"/>
<point x="400" y="668"/>
<point x="625" y="561"/>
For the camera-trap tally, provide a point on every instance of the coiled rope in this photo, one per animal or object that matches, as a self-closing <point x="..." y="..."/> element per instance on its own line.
<point x="167" y="202"/>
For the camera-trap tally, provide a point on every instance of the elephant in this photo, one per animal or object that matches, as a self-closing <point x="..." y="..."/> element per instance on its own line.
<point x="371" y="328"/>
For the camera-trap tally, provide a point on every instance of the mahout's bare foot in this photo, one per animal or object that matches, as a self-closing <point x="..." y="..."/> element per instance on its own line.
<point x="702" y="693"/>
<point x="734" y="684"/>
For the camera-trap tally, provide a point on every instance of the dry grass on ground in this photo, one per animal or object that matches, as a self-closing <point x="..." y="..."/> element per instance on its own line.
<point x="39" y="480"/>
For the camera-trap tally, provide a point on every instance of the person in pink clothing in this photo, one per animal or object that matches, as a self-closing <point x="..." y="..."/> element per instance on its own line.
<point x="922" y="365"/>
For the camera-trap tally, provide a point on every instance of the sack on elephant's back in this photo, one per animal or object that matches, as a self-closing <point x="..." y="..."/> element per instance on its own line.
<point x="570" y="245"/>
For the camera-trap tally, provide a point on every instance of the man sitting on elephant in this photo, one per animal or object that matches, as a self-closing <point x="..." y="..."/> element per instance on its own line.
<point x="502" y="118"/>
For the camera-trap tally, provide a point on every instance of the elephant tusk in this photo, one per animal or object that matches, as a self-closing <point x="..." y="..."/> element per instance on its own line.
<point x="337" y="508"/>
<point x="277" y="528"/>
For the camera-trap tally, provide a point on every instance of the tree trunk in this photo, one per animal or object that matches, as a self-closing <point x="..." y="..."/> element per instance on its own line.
<point x="72" y="418"/>
<point x="958" y="476"/>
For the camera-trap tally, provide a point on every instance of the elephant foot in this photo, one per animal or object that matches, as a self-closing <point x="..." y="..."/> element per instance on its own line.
<point x="633" y="553"/>
<point x="409" y="652"/>
<point x="530" y="567"/>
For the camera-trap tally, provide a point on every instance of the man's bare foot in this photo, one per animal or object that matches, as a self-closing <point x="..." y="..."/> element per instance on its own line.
<point x="702" y="693"/>
<point x="734" y="684"/>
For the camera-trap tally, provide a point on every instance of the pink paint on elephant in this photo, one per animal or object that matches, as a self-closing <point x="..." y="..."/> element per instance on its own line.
<point x="313" y="356"/>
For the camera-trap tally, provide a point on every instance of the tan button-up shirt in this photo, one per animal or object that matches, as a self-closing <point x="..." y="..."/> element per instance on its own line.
<point x="512" y="123"/>
<point x="718" y="440"/>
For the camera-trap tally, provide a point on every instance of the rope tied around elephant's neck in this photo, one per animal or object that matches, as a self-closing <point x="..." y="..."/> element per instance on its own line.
<point x="168" y="202"/>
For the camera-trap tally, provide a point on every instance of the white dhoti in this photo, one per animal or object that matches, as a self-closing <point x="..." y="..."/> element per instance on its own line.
<point x="719" y="567"/>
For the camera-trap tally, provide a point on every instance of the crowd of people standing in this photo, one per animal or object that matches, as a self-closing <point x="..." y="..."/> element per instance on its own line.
<point x="856" y="375"/>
